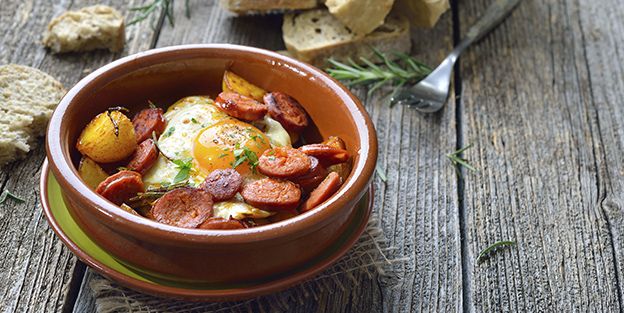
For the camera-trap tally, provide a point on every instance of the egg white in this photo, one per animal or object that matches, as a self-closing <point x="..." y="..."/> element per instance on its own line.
<point x="185" y="119"/>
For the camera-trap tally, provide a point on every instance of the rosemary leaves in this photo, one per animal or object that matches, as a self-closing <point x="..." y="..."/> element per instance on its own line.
<point x="406" y="70"/>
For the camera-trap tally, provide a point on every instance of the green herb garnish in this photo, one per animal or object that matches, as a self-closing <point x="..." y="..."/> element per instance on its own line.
<point x="244" y="154"/>
<point x="380" y="172"/>
<point x="7" y="194"/>
<point x="165" y="6"/>
<point x="499" y="244"/>
<point x="185" y="167"/>
<point x="406" y="71"/>
<point x="169" y="132"/>
<point x="457" y="159"/>
<point x="194" y="120"/>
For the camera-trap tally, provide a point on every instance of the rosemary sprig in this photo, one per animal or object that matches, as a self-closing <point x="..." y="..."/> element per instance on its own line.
<point x="7" y="194"/>
<point x="165" y="6"/>
<point x="380" y="172"/>
<point x="153" y="194"/>
<point x="499" y="244"/>
<point x="457" y="160"/>
<point x="396" y="74"/>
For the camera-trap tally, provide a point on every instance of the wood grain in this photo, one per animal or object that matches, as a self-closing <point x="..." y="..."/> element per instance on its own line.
<point x="418" y="203"/>
<point x="541" y="103"/>
<point x="36" y="269"/>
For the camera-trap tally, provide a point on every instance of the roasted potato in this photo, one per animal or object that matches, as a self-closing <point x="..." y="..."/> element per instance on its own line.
<point x="91" y="172"/>
<point x="105" y="141"/>
<point x="235" y="83"/>
<point x="342" y="169"/>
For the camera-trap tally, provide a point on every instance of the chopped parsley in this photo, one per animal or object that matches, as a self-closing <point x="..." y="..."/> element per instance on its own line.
<point x="7" y="194"/>
<point x="223" y="155"/>
<point x="244" y="154"/>
<point x="194" y="120"/>
<point x="169" y="132"/>
<point x="185" y="170"/>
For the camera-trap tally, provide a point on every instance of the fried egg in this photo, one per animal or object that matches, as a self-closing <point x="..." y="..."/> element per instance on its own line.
<point x="200" y="134"/>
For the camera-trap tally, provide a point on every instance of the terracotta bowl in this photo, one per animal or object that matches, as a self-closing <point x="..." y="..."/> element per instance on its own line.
<point x="165" y="75"/>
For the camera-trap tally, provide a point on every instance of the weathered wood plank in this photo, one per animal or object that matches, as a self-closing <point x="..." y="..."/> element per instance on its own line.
<point x="36" y="269"/>
<point x="418" y="204"/>
<point x="531" y="107"/>
<point x="602" y="39"/>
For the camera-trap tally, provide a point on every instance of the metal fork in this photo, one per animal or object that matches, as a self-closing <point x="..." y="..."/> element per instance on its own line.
<point x="431" y="93"/>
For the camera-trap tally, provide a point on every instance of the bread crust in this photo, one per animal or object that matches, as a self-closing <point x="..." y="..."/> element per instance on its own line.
<point x="28" y="97"/>
<point x="392" y="36"/>
<point x="90" y="28"/>
<point x="251" y="7"/>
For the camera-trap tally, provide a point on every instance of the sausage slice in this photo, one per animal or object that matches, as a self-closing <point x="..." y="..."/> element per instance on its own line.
<point x="272" y="194"/>
<point x="240" y="106"/>
<point x="327" y="155"/>
<point x="325" y="190"/>
<point x="221" y="223"/>
<point x="147" y="121"/>
<point x="283" y="162"/>
<point x="144" y="156"/>
<point x="223" y="184"/>
<point x="183" y="207"/>
<point x="120" y="187"/>
<point x="313" y="177"/>
<point x="286" y="110"/>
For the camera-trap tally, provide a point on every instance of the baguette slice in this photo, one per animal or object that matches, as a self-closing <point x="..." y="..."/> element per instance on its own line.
<point x="248" y="7"/>
<point x="422" y="13"/>
<point x="360" y="16"/>
<point x="27" y="98"/>
<point x="314" y="36"/>
<point x="90" y="28"/>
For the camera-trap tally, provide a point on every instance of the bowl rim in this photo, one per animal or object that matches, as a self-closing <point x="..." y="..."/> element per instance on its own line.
<point x="352" y="189"/>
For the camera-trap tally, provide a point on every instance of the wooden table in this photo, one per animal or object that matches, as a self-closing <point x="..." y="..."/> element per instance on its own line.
<point x="540" y="100"/>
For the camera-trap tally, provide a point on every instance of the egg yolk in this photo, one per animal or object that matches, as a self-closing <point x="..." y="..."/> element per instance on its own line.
<point x="227" y="143"/>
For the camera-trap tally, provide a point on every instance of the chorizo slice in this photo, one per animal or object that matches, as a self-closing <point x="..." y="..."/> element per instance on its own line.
<point x="240" y="106"/>
<point x="144" y="156"/>
<point x="183" y="207"/>
<point x="221" y="223"/>
<point x="272" y="194"/>
<point x="147" y="121"/>
<point x="325" y="190"/>
<point x="120" y="187"/>
<point x="326" y="154"/>
<point x="286" y="110"/>
<point x="313" y="177"/>
<point x="283" y="162"/>
<point x="223" y="184"/>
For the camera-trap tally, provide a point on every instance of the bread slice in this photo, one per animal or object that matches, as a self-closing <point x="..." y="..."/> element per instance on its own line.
<point x="360" y="16"/>
<point x="90" y="28"/>
<point x="314" y="36"/>
<point x="246" y="7"/>
<point x="27" y="98"/>
<point x="422" y="13"/>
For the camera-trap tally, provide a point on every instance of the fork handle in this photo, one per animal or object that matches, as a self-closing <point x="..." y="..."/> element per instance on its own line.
<point x="493" y="16"/>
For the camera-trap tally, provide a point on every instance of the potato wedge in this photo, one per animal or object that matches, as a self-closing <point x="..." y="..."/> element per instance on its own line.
<point x="91" y="172"/>
<point x="100" y="142"/>
<point x="235" y="83"/>
<point x="342" y="169"/>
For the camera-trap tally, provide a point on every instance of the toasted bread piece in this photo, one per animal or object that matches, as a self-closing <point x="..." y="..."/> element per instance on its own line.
<point x="360" y="16"/>
<point x="90" y="28"/>
<point x="247" y="7"/>
<point x="314" y="36"/>
<point x="28" y="97"/>
<point x="422" y="13"/>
